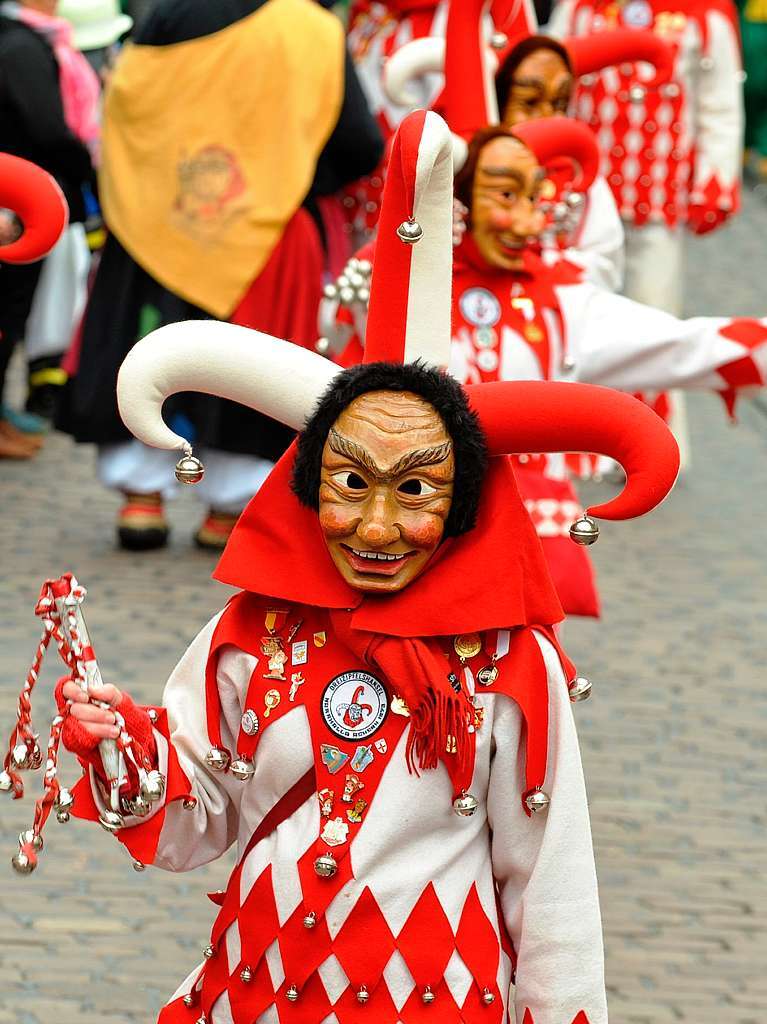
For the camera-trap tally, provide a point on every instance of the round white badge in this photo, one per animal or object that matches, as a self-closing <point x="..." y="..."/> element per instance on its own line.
<point x="487" y="360"/>
<point x="250" y="723"/>
<point x="637" y="14"/>
<point x="480" y="307"/>
<point x="354" y="705"/>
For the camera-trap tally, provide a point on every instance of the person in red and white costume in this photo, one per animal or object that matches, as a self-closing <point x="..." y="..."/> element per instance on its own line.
<point x="515" y="317"/>
<point x="672" y="157"/>
<point x="398" y="767"/>
<point x="377" y="31"/>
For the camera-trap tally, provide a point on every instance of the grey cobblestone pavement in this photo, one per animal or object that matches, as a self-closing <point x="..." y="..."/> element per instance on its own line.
<point x="673" y="739"/>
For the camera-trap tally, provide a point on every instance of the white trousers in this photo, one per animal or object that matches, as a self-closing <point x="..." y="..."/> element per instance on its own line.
<point x="60" y="296"/>
<point x="229" y="483"/>
<point x="655" y="277"/>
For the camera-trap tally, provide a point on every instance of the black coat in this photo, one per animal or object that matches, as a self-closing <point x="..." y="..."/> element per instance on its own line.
<point x="32" y="121"/>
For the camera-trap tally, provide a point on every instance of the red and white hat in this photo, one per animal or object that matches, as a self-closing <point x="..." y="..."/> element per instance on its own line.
<point x="38" y="202"/>
<point x="409" y="320"/>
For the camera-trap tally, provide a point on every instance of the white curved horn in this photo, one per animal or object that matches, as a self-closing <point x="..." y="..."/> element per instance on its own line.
<point x="413" y="60"/>
<point x="273" y="376"/>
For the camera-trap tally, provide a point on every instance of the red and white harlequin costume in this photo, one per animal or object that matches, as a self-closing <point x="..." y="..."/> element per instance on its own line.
<point x="672" y="156"/>
<point x="586" y="227"/>
<point x="549" y="323"/>
<point x="427" y="914"/>
<point x="377" y="30"/>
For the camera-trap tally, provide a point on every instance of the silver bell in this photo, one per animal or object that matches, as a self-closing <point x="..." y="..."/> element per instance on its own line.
<point x="35" y="758"/>
<point x="209" y="952"/>
<point x="138" y="866"/>
<point x="139" y="806"/>
<point x="322" y="345"/>
<point x="62" y="816"/>
<point x="111" y="821"/>
<point x="363" y="295"/>
<point x="202" y="1019"/>
<point x="365" y="267"/>
<point x="189" y="803"/>
<point x="20" y="756"/>
<point x="292" y="994"/>
<point x="330" y="291"/>
<point x="537" y="801"/>
<point x="499" y="40"/>
<point x="29" y="836"/>
<point x="410" y="231"/>
<point x="246" y="975"/>
<point x="346" y="295"/>
<point x="487" y="997"/>
<point x="189" y="469"/>
<point x="217" y="760"/>
<point x="579" y="689"/>
<point x="584" y="531"/>
<point x="22" y="864"/>
<point x="243" y="769"/>
<point x="188" y="999"/>
<point x="574" y="200"/>
<point x="362" y="994"/>
<point x="465" y="805"/>
<point x="428" y="996"/>
<point x="6" y="782"/>
<point x="310" y="920"/>
<point x="325" y="865"/>
<point x="153" y="786"/>
<point x="637" y="93"/>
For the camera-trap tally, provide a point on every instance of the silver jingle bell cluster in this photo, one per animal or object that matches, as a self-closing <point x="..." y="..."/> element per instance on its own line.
<point x="565" y="213"/>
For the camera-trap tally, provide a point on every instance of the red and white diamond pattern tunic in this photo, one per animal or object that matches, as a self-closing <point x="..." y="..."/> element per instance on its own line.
<point x="424" y="901"/>
<point x="671" y="155"/>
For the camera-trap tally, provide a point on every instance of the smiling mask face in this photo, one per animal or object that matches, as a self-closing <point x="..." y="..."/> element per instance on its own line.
<point x="504" y="212"/>
<point x="386" y="489"/>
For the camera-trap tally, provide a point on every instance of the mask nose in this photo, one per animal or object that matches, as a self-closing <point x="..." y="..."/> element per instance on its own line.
<point x="377" y="527"/>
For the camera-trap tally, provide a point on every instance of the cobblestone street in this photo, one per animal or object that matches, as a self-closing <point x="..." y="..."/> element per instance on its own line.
<point x="673" y="739"/>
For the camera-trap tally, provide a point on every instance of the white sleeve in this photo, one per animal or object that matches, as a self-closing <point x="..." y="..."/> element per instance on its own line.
<point x="195" y="835"/>
<point x="719" y="115"/>
<point x="599" y="246"/>
<point x="619" y="343"/>
<point x="545" y="870"/>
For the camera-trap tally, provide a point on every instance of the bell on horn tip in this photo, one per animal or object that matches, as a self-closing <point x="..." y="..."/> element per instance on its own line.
<point x="579" y="689"/>
<point x="410" y="231"/>
<point x="584" y="531"/>
<point x="499" y="40"/>
<point x="189" y="469"/>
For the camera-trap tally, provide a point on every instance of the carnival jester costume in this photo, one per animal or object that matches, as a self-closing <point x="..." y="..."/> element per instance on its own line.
<point x="381" y="717"/>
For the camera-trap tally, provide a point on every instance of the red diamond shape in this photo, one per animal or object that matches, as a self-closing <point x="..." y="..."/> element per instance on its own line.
<point x="249" y="999"/>
<point x="475" y="1011"/>
<point x="258" y="921"/>
<point x="311" y="1006"/>
<point x="443" y="1010"/>
<point x="302" y="949"/>
<point x="426" y="941"/>
<point x="477" y="942"/>
<point x="379" y="1009"/>
<point x="365" y="943"/>
<point x="177" y="1013"/>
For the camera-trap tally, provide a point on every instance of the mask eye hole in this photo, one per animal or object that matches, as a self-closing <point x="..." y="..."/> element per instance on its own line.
<point x="351" y="480"/>
<point x="416" y="488"/>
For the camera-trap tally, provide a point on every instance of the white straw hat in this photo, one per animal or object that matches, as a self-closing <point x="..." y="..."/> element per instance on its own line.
<point x="97" y="23"/>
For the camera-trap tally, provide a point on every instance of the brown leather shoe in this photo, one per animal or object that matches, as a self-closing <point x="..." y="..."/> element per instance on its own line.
<point x="30" y="442"/>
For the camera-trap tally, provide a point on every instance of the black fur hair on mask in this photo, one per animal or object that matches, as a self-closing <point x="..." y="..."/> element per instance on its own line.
<point x="443" y="393"/>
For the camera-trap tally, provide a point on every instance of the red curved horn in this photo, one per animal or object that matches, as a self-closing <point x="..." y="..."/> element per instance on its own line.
<point x="618" y="46"/>
<point x="39" y="203"/>
<point x="468" y="99"/>
<point x="554" y="416"/>
<point x="552" y="138"/>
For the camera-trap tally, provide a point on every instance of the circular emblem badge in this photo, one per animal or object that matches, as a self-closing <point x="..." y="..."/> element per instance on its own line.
<point x="637" y="14"/>
<point x="480" y="307"/>
<point x="354" y="705"/>
<point x="250" y="723"/>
